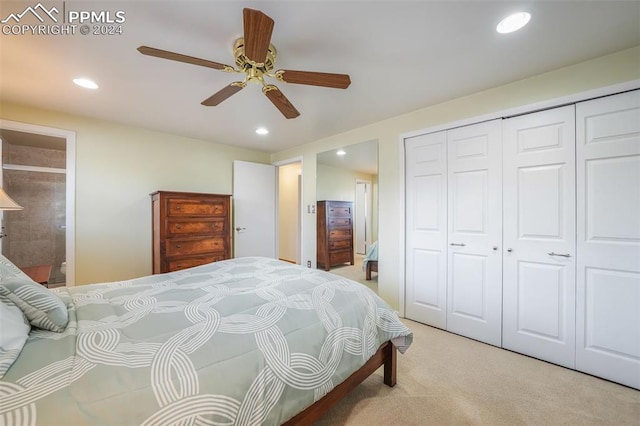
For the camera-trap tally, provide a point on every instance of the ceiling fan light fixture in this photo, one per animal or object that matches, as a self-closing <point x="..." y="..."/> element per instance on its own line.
<point x="255" y="57"/>
<point x="513" y="22"/>
<point x="262" y="131"/>
<point x="86" y="83"/>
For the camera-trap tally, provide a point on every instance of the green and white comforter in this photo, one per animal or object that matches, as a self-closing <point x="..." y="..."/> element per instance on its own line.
<point x="244" y="341"/>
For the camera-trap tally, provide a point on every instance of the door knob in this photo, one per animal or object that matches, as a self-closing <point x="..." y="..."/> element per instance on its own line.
<point x="239" y="229"/>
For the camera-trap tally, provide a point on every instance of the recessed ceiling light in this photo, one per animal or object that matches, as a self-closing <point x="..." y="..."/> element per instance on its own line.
<point x="262" y="131"/>
<point x="86" y="83"/>
<point x="341" y="152"/>
<point x="513" y="22"/>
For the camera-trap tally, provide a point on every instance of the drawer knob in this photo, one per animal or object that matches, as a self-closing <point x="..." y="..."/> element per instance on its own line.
<point x="178" y="227"/>
<point x="178" y="245"/>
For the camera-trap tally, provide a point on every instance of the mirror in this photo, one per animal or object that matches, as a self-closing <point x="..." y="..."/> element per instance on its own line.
<point x="353" y="176"/>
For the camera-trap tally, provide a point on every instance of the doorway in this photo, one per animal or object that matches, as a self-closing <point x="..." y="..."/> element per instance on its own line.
<point x="290" y="212"/>
<point x="38" y="169"/>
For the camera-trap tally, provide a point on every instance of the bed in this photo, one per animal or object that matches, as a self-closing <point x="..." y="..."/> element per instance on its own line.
<point x="242" y="341"/>
<point x="370" y="262"/>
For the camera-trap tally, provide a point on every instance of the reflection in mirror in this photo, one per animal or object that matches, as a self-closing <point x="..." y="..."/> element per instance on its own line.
<point x="353" y="176"/>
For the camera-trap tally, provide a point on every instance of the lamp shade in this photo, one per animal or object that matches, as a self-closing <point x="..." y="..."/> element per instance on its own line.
<point x="6" y="203"/>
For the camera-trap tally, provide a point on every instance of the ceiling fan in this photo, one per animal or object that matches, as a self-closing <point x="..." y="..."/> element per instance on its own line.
<point x="255" y="57"/>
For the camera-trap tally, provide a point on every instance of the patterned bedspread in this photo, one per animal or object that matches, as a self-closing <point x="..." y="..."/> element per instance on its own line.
<point x="245" y="341"/>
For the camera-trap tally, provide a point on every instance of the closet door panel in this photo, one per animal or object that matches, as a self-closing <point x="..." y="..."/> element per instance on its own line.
<point x="426" y="229"/>
<point x="474" y="279"/>
<point x="608" y="278"/>
<point x="539" y="235"/>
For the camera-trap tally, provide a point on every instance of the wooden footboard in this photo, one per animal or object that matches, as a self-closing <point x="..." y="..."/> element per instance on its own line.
<point x="372" y="266"/>
<point x="386" y="355"/>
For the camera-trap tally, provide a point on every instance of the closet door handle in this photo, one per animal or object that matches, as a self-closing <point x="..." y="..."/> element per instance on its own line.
<point x="559" y="254"/>
<point x="457" y="244"/>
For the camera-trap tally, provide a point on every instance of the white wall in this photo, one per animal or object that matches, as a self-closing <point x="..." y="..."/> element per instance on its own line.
<point x="117" y="167"/>
<point x="600" y="72"/>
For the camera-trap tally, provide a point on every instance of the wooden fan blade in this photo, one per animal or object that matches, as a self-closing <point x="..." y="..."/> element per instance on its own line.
<point x="164" y="54"/>
<point x="280" y="101"/>
<point x="223" y="94"/>
<point x="338" y="81"/>
<point x="257" y="34"/>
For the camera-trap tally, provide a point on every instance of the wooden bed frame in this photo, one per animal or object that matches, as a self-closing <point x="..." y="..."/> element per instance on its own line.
<point x="386" y="355"/>
<point x="372" y="265"/>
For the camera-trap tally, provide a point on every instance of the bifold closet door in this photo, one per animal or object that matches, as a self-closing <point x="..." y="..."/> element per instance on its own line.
<point x="426" y="228"/>
<point x="474" y="278"/>
<point x="539" y="235"/>
<point x="608" y="277"/>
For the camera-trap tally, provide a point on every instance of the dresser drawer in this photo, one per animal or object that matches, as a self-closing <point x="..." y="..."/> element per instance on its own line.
<point x="189" y="262"/>
<point x="339" y="211"/>
<point x="177" y="227"/>
<point x="195" y="246"/>
<point x="197" y="207"/>
<point x="340" y="257"/>
<point x="339" y="221"/>
<point x="340" y="234"/>
<point x="339" y="244"/>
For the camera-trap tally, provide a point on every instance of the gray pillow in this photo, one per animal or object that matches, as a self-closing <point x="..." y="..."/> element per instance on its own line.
<point x="43" y="308"/>
<point x="14" y="331"/>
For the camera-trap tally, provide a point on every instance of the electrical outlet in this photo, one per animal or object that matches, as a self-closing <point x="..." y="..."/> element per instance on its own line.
<point x="308" y="264"/>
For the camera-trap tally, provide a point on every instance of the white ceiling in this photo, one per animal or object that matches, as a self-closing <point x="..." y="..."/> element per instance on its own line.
<point x="361" y="157"/>
<point x="401" y="56"/>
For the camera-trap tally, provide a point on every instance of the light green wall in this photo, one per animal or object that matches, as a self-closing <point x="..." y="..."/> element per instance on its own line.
<point x="117" y="167"/>
<point x="337" y="184"/>
<point x="600" y="72"/>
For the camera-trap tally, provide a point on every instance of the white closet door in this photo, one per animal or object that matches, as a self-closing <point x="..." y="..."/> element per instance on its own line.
<point x="539" y="235"/>
<point x="608" y="282"/>
<point x="426" y="228"/>
<point x="474" y="282"/>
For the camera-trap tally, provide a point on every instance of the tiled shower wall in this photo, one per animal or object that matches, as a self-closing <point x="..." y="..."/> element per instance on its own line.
<point x="36" y="234"/>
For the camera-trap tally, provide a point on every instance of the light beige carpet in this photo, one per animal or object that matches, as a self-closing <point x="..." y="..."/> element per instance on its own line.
<point x="356" y="273"/>
<point x="446" y="379"/>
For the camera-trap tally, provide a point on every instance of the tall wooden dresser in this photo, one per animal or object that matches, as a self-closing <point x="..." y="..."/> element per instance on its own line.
<point x="189" y="229"/>
<point x="334" y="233"/>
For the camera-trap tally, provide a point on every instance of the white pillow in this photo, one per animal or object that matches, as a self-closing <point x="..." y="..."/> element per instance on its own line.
<point x="14" y="331"/>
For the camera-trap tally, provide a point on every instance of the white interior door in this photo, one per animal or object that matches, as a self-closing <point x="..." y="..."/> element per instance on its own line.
<point x="426" y="229"/>
<point x="361" y="217"/>
<point x="474" y="278"/>
<point x="254" y="209"/>
<point x="608" y="264"/>
<point x="539" y="235"/>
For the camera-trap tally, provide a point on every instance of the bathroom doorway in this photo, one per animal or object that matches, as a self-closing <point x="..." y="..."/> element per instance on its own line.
<point x="34" y="174"/>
